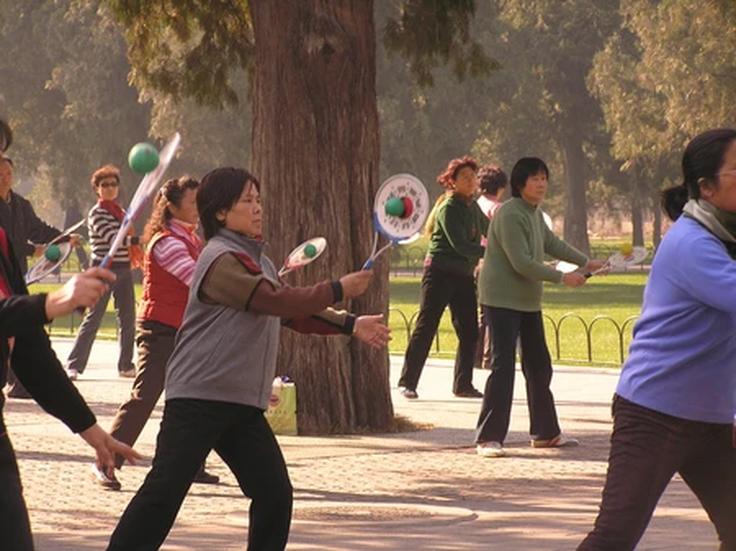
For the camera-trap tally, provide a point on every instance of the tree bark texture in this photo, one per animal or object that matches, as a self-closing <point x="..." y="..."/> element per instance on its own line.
<point x="316" y="154"/>
<point x="576" y="210"/>
<point x="637" y="215"/>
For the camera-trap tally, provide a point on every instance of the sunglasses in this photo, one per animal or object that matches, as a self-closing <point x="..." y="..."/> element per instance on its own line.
<point x="109" y="184"/>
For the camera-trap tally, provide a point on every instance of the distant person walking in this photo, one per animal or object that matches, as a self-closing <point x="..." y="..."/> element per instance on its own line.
<point x="493" y="184"/>
<point x="104" y="221"/>
<point x="456" y="226"/>
<point x="510" y="288"/>
<point x="173" y="247"/>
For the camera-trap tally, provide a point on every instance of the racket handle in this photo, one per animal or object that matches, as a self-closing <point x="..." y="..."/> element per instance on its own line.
<point x="106" y="261"/>
<point x="368" y="264"/>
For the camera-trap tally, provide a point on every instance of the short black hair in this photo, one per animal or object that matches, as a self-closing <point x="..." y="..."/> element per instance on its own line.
<point x="219" y="190"/>
<point x="523" y="169"/>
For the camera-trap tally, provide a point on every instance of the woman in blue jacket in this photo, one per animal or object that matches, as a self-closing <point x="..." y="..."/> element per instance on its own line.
<point x="676" y="399"/>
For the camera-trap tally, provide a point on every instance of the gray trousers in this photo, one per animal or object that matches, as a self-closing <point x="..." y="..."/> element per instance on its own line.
<point x="124" y="297"/>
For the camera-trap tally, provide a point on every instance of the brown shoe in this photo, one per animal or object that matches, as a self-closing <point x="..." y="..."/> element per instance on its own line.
<point x="102" y="479"/>
<point x="469" y="393"/>
<point x="559" y="441"/>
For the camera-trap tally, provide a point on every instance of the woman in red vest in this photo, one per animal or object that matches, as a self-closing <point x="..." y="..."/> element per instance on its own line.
<point x="172" y="250"/>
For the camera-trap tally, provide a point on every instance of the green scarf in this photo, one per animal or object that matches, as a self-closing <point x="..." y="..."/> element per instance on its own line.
<point x="719" y="222"/>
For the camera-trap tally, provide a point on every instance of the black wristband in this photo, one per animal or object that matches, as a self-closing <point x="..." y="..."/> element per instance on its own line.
<point x="337" y="293"/>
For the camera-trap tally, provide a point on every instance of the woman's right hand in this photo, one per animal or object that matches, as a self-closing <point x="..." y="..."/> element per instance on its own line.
<point x="574" y="279"/>
<point x="83" y="290"/>
<point x="355" y="283"/>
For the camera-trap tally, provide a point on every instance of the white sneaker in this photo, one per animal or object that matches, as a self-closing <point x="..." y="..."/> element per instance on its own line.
<point x="72" y="373"/>
<point x="490" y="449"/>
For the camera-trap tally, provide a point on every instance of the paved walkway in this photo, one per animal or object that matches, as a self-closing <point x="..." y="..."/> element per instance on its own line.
<point x="421" y="490"/>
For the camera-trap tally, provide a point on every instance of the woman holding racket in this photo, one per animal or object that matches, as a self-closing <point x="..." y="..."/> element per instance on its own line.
<point x="510" y="287"/>
<point x="22" y="320"/>
<point x="219" y="377"/>
<point x="172" y="250"/>
<point x="104" y="221"/>
<point x="456" y="226"/>
<point x="675" y="402"/>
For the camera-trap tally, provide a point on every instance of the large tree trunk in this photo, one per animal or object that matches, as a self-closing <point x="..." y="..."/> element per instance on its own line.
<point x="637" y="216"/>
<point x="316" y="153"/>
<point x="657" y="226"/>
<point x="576" y="210"/>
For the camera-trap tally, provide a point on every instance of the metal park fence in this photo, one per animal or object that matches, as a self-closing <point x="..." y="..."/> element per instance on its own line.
<point x="567" y="337"/>
<point x="409" y="259"/>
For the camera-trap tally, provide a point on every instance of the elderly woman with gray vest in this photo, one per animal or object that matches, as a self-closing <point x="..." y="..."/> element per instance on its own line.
<point x="218" y="379"/>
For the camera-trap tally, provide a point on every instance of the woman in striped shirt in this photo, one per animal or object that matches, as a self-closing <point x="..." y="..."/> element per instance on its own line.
<point x="103" y="222"/>
<point x="172" y="250"/>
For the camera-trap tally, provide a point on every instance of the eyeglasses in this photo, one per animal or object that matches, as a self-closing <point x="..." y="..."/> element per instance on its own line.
<point x="109" y="184"/>
<point x="727" y="173"/>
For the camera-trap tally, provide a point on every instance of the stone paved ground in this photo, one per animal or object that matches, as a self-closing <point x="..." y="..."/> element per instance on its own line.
<point x="420" y="490"/>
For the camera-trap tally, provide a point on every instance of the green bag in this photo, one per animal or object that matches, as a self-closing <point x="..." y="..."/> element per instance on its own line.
<point x="281" y="412"/>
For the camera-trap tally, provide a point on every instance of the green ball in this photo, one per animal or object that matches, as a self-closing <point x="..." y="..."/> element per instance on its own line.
<point x="310" y="251"/>
<point x="143" y="158"/>
<point x="394" y="207"/>
<point x="52" y="253"/>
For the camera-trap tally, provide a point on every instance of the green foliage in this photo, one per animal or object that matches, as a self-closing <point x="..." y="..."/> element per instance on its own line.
<point x="431" y="33"/>
<point x="188" y="48"/>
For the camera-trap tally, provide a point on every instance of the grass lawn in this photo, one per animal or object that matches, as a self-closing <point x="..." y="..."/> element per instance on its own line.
<point x="615" y="297"/>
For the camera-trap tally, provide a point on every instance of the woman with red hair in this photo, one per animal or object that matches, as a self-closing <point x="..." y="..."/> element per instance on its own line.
<point x="456" y="226"/>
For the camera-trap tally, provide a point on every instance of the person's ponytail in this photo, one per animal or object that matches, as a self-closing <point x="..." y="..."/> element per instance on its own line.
<point x="673" y="201"/>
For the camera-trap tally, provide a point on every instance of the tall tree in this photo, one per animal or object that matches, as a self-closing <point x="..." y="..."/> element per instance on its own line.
<point x="544" y="106"/>
<point x="315" y="145"/>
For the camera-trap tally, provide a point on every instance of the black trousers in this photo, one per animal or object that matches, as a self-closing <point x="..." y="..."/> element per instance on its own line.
<point x="508" y="327"/>
<point x="242" y="438"/>
<point x="647" y="449"/>
<point x="440" y="289"/>
<point x="15" y="526"/>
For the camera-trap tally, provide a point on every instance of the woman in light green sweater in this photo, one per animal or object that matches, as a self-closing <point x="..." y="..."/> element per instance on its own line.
<point x="510" y="288"/>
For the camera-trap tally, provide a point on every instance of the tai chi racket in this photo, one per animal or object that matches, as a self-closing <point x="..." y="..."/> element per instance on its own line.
<point x="54" y="255"/>
<point x="400" y="209"/>
<point x="618" y="262"/>
<point x="304" y="254"/>
<point x="142" y="197"/>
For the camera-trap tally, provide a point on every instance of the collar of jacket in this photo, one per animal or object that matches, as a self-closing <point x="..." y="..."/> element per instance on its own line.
<point x="247" y="244"/>
<point x="720" y="223"/>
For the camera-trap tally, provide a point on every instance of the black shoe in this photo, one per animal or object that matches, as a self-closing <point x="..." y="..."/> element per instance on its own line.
<point x="19" y="392"/>
<point x="470" y="393"/>
<point x="102" y="479"/>
<point x="203" y="477"/>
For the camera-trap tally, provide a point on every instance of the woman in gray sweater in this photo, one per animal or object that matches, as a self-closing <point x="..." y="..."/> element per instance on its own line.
<point x="218" y="379"/>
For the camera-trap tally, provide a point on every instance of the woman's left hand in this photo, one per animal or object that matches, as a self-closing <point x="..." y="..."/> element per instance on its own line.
<point x="106" y="447"/>
<point x="372" y="330"/>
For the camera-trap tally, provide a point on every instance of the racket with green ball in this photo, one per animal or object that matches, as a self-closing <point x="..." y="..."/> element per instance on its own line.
<point x="54" y="255"/>
<point x="304" y="254"/>
<point x="400" y="208"/>
<point x="624" y="258"/>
